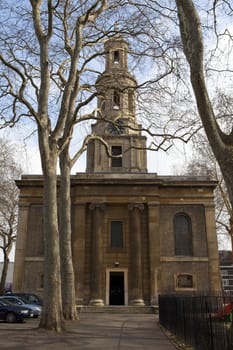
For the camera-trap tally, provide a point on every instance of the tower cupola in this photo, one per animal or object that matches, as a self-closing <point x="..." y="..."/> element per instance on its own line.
<point x="116" y="124"/>
<point x="116" y="50"/>
<point x="116" y="87"/>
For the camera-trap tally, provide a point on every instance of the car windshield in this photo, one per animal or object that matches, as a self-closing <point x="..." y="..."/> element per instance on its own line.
<point x="13" y="300"/>
<point x="5" y="302"/>
<point x="27" y="298"/>
<point x="24" y="301"/>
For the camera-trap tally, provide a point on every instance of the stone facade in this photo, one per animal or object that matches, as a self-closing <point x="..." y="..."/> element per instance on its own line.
<point x="135" y="234"/>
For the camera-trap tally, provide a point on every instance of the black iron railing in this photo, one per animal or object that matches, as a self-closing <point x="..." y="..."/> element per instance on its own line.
<point x="201" y="321"/>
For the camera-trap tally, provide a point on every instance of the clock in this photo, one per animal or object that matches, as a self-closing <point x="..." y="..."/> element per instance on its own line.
<point x="117" y="128"/>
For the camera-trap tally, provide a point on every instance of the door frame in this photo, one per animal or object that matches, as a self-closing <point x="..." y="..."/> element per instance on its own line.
<point x="125" y="272"/>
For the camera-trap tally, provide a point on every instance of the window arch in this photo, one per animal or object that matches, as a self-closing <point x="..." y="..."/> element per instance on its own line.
<point x="183" y="235"/>
<point x="131" y="101"/>
<point x="116" y="56"/>
<point x="116" y="100"/>
<point x="117" y="161"/>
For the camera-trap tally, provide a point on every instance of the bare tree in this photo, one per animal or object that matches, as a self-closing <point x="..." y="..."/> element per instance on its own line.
<point x="220" y="140"/>
<point x="9" y="171"/>
<point x="203" y="162"/>
<point x="30" y="79"/>
<point x="48" y="73"/>
<point x="50" y="59"/>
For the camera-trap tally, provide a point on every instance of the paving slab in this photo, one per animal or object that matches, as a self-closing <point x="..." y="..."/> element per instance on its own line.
<point x="90" y="332"/>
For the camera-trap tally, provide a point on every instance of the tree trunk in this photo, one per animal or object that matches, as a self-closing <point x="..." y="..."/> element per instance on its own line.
<point x="67" y="271"/>
<point x="52" y="316"/>
<point x="220" y="142"/>
<point x="4" y="273"/>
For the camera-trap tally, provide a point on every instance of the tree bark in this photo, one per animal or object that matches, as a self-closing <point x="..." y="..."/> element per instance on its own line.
<point x="221" y="143"/>
<point x="67" y="271"/>
<point x="4" y="273"/>
<point x="52" y="316"/>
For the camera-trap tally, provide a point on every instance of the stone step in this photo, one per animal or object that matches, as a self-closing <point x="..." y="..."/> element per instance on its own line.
<point x="118" y="309"/>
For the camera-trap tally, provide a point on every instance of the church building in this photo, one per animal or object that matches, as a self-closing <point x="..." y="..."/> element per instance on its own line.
<point x="135" y="234"/>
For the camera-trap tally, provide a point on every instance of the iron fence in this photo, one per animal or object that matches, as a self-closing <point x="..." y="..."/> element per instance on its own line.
<point x="201" y="321"/>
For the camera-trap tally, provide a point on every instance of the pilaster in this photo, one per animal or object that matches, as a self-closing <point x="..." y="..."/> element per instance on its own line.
<point x="136" y="253"/>
<point x="97" y="254"/>
<point x="214" y="272"/>
<point x="154" y="249"/>
<point x="78" y="248"/>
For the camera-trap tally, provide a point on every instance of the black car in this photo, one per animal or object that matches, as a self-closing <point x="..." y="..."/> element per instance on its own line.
<point x="13" y="313"/>
<point x="13" y="299"/>
<point x="30" y="298"/>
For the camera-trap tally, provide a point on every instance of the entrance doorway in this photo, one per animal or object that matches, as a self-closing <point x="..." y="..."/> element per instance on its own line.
<point x="116" y="288"/>
<point x="116" y="277"/>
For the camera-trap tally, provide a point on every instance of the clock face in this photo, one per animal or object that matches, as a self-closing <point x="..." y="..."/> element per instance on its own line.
<point x="118" y="129"/>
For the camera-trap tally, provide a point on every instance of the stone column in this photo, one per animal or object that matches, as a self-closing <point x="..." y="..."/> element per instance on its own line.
<point x="136" y="254"/>
<point x="78" y="249"/>
<point x="97" y="255"/>
<point x="154" y="250"/>
<point x="214" y="272"/>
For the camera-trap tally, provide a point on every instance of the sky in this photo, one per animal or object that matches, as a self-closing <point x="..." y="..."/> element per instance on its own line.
<point x="158" y="162"/>
<point x="27" y="155"/>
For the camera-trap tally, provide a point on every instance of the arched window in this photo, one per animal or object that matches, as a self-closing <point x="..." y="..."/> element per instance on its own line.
<point x="116" y="161"/>
<point x="183" y="235"/>
<point x="131" y="101"/>
<point x="116" y="57"/>
<point x="116" y="100"/>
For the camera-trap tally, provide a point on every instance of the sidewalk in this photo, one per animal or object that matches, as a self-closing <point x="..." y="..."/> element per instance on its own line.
<point x="92" y="331"/>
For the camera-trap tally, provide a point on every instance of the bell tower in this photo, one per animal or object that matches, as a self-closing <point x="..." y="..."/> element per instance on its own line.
<point x="123" y="149"/>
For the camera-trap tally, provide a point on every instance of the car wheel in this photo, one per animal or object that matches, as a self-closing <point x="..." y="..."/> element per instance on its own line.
<point x="10" y="317"/>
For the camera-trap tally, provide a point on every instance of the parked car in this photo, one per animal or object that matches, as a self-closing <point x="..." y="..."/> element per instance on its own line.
<point x="36" y="309"/>
<point x="30" y="298"/>
<point x="13" y="313"/>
